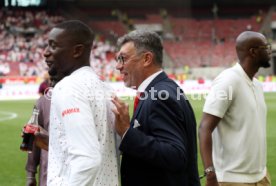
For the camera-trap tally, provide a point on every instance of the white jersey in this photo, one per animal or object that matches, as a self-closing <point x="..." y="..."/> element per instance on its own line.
<point x="82" y="137"/>
<point x="239" y="140"/>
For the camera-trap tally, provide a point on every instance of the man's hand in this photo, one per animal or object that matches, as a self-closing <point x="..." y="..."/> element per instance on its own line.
<point x="29" y="129"/>
<point x="42" y="138"/>
<point x="211" y="179"/>
<point x="122" y="120"/>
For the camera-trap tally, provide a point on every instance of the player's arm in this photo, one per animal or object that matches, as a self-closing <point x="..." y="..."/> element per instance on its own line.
<point x="208" y="124"/>
<point x="214" y="109"/>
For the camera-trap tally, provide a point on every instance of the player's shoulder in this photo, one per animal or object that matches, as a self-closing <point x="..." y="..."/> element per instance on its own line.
<point x="230" y="75"/>
<point x="82" y="74"/>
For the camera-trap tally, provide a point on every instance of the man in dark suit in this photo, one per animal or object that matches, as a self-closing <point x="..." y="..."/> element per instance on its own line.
<point x="159" y="142"/>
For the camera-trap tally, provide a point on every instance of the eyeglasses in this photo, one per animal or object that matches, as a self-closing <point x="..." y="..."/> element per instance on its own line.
<point x="266" y="47"/>
<point x="122" y="59"/>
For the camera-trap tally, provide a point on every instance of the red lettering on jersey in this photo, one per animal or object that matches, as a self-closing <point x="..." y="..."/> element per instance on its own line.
<point x="70" y="111"/>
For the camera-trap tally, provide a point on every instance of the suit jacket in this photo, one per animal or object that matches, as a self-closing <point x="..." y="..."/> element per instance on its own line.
<point x="160" y="146"/>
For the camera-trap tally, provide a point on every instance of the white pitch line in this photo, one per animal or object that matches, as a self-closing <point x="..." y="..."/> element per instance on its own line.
<point x="9" y="116"/>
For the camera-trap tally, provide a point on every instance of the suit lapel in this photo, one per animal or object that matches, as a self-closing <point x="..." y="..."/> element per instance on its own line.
<point x="158" y="78"/>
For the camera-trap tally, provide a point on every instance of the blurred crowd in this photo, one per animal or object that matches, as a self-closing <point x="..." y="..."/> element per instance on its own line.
<point x="23" y="39"/>
<point x="23" y="36"/>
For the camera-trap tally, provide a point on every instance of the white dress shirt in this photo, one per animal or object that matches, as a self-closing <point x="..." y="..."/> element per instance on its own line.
<point x="142" y="87"/>
<point x="82" y="139"/>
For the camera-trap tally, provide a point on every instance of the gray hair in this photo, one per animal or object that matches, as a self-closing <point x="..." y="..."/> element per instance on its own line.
<point x="144" y="40"/>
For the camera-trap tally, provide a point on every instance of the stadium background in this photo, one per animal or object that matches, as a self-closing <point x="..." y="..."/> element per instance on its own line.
<point x="199" y="39"/>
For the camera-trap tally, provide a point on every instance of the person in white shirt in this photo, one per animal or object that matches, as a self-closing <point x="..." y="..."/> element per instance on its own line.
<point x="232" y="131"/>
<point x="82" y="138"/>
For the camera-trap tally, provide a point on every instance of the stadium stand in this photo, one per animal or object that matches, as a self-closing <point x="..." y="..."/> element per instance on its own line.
<point x="189" y="41"/>
<point x="23" y="34"/>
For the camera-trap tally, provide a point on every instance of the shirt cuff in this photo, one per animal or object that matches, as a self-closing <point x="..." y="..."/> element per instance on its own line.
<point x="124" y="134"/>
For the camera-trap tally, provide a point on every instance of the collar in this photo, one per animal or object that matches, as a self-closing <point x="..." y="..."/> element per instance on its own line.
<point x="243" y="73"/>
<point x="82" y="68"/>
<point x="147" y="81"/>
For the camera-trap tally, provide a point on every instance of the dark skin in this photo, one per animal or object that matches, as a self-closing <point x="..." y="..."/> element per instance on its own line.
<point x="63" y="56"/>
<point x="66" y="52"/>
<point x="207" y="126"/>
<point x="251" y="58"/>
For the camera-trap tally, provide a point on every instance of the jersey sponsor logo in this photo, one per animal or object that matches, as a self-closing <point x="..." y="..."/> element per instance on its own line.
<point x="70" y="111"/>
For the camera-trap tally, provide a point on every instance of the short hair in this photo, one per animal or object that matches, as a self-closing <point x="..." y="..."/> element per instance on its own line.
<point x="144" y="40"/>
<point x="79" y="32"/>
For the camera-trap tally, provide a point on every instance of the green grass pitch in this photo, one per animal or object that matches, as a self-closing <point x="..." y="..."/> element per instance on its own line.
<point x="12" y="160"/>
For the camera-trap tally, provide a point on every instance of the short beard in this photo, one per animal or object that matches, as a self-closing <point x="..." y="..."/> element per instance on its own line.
<point x="265" y="64"/>
<point x="52" y="72"/>
<point x="55" y="77"/>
